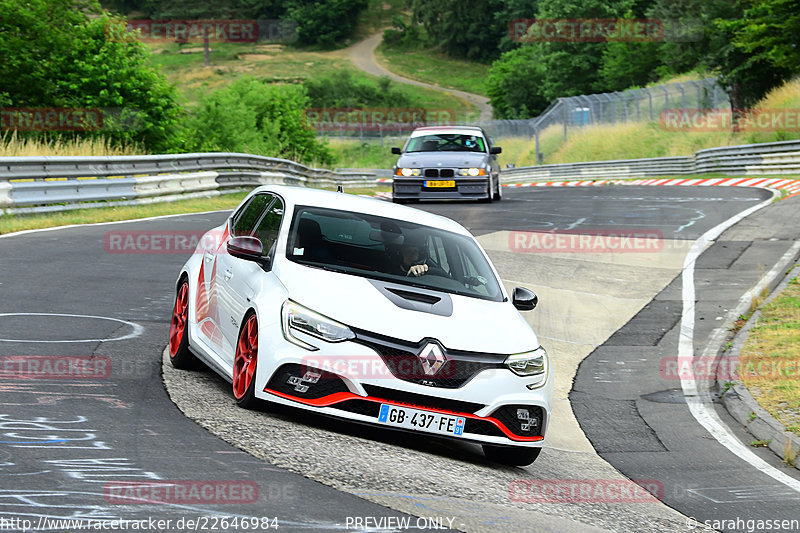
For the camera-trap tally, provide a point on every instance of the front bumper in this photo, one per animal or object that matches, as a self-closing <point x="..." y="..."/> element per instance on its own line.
<point x="491" y="401"/>
<point x="469" y="188"/>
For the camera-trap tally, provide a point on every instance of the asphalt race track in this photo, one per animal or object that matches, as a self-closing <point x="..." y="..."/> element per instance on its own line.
<point x="68" y="445"/>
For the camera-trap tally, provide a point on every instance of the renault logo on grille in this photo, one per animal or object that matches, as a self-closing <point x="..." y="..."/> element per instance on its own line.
<point x="431" y="358"/>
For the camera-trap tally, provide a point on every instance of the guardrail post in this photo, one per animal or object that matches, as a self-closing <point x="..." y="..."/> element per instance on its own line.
<point x="539" y="157"/>
<point x="699" y="96"/>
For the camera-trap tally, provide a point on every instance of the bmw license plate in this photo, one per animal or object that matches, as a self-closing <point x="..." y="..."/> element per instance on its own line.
<point x="440" y="183"/>
<point x="404" y="417"/>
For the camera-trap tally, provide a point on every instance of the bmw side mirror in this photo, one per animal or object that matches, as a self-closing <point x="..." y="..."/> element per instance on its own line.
<point x="524" y="299"/>
<point x="495" y="150"/>
<point x="396" y="150"/>
<point x="247" y="248"/>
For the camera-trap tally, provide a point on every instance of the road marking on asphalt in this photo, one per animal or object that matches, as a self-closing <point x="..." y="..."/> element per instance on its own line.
<point x="136" y="329"/>
<point x="759" y="493"/>
<point x="699" y="400"/>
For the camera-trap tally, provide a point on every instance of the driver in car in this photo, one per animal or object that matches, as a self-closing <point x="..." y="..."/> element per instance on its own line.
<point x="412" y="258"/>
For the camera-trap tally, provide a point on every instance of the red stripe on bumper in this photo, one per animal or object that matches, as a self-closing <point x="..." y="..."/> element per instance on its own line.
<point x="339" y="397"/>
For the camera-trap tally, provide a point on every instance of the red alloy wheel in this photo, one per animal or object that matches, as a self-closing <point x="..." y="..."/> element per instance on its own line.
<point x="244" y="364"/>
<point x="179" y="318"/>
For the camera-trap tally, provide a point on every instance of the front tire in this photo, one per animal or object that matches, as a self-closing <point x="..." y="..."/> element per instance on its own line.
<point x="179" y="354"/>
<point x="244" y="363"/>
<point x="490" y="193"/>
<point x="511" y="456"/>
<point x="499" y="195"/>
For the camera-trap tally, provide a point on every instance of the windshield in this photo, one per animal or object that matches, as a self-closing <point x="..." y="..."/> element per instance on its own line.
<point x="446" y="142"/>
<point x="390" y="250"/>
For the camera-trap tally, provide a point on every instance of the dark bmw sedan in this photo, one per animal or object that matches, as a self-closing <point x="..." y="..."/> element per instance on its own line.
<point x="447" y="162"/>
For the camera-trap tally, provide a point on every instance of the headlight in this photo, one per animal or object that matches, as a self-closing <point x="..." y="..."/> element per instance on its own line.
<point x="529" y="363"/>
<point x="407" y="172"/>
<point x="295" y="317"/>
<point x="471" y="172"/>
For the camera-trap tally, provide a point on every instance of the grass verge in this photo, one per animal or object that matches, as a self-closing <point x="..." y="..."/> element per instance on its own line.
<point x="274" y="63"/>
<point x="770" y="359"/>
<point x="437" y="69"/>
<point x="12" y="223"/>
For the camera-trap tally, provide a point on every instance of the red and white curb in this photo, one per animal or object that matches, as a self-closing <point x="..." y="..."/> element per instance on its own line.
<point x="791" y="186"/>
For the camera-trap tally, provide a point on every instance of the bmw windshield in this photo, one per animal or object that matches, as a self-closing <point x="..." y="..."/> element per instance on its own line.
<point x="446" y="142"/>
<point x="391" y="250"/>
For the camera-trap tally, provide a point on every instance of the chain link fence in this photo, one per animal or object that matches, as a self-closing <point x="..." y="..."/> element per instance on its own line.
<point x="635" y="105"/>
<point x="647" y="104"/>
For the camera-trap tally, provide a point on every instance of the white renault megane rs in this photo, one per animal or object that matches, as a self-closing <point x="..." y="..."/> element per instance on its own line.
<point x="368" y="311"/>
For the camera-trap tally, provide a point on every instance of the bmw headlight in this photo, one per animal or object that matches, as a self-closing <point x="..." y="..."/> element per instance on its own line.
<point x="407" y="172"/>
<point x="471" y="171"/>
<point x="295" y="317"/>
<point x="532" y="363"/>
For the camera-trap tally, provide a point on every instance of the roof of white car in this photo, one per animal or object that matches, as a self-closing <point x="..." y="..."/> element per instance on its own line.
<point x="457" y="130"/>
<point x="349" y="202"/>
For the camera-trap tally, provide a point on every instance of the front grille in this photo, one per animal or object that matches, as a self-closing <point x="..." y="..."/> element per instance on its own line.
<point x="446" y="173"/>
<point x="303" y="381"/>
<point x="514" y="418"/>
<point x="404" y="363"/>
<point x="422" y="400"/>
<point x="431" y="172"/>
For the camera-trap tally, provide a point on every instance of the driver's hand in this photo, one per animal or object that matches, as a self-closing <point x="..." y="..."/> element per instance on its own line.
<point x="417" y="270"/>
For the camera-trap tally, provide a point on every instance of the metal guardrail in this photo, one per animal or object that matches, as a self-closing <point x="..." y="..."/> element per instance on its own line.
<point x="749" y="159"/>
<point x="57" y="183"/>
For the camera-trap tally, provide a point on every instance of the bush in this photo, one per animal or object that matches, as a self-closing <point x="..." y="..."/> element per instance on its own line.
<point x="71" y="54"/>
<point x="514" y="84"/>
<point x="253" y="117"/>
<point x="325" y="22"/>
<point x="341" y="89"/>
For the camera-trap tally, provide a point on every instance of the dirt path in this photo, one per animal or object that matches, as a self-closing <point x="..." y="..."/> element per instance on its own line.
<point x="362" y="54"/>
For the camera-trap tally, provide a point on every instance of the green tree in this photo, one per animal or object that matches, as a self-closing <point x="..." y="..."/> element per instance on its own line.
<point x="741" y="53"/>
<point x="254" y="117"/>
<point x="324" y="22"/>
<point x="769" y="31"/>
<point x="514" y="84"/>
<point x="71" y="54"/>
<point x="462" y="28"/>
<point x="574" y="68"/>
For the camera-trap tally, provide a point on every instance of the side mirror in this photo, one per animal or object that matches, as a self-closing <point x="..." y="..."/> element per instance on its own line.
<point x="396" y="150"/>
<point x="524" y="299"/>
<point x="247" y="248"/>
<point x="494" y="150"/>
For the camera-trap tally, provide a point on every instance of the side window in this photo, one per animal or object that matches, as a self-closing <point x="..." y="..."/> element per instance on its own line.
<point x="270" y="224"/>
<point x="244" y="222"/>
